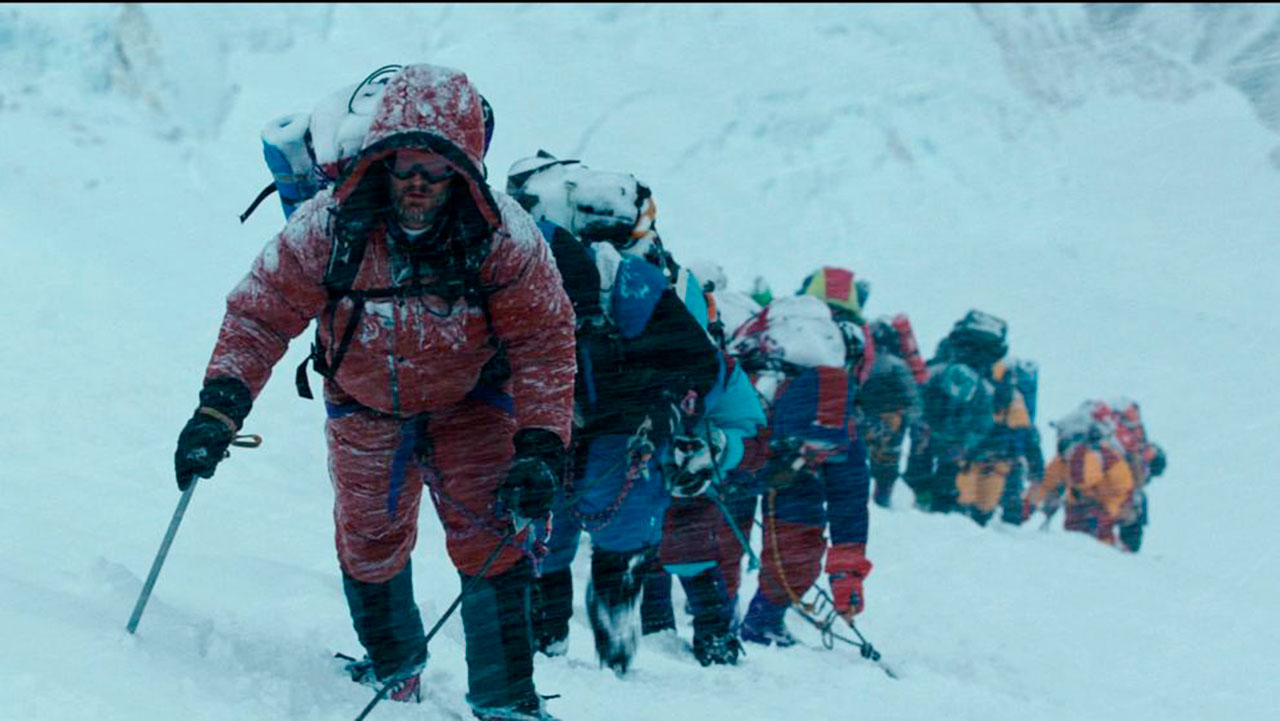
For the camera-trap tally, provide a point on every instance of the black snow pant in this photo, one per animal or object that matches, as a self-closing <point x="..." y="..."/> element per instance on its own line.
<point x="1011" y="500"/>
<point x="709" y="601"/>
<point x="387" y="622"/>
<point x="1131" y="534"/>
<point x="552" y="605"/>
<point x="656" y="611"/>
<point x="933" y="481"/>
<point x="496" y="621"/>
<point x="616" y="581"/>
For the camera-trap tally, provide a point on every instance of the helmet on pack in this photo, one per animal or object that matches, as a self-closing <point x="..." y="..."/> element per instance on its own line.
<point x="525" y="168"/>
<point x="839" y="289"/>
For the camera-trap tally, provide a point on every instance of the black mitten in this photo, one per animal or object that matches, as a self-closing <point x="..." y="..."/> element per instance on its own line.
<point x="536" y="470"/>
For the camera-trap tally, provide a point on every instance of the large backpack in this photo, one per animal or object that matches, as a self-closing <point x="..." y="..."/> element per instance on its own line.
<point x="978" y="339"/>
<point x="594" y="205"/>
<point x="895" y="336"/>
<point x="958" y="409"/>
<point x="613" y="298"/>
<point x="1090" y="422"/>
<point x="889" y="387"/>
<point x="791" y="332"/>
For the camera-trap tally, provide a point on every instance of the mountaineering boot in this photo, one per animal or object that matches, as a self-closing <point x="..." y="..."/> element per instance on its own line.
<point x="713" y="641"/>
<point x="388" y="625"/>
<point x="533" y="708"/>
<point x="980" y="517"/>
<point x="613" y="606"/>
<point x="407" y="690"/>
<point x="499" y="643"/>
<point x="406" y="686"/>
<point x="552" y="608"/>
<point x="763" y="623"/>
<point x="719" y="648"/>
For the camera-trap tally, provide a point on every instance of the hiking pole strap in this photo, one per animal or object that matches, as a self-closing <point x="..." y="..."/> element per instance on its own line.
<point x="164" y="551"/>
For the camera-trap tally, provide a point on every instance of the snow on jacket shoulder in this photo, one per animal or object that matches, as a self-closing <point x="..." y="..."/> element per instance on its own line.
<point x="533" y="317"/>
<point x="416" y="352"/>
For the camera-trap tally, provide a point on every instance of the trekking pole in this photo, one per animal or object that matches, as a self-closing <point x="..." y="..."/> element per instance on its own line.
<point x="243" y="441"/>
<point x="382" y="692"/>
<point x="753" y="561"/>
<point x="869" y="653"/>
<point x="829" y="636"/>
<point x="159" y="561"/>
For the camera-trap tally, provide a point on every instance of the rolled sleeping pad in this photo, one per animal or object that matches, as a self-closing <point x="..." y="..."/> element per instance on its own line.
<point x="284" y="146"/>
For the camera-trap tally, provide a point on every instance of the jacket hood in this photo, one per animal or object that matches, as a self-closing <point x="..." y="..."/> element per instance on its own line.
<point x="432" y="108"/>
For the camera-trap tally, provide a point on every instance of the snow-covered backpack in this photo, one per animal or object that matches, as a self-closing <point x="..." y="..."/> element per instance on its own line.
<point x="1125" y="419"/>
<point x="594" y="205"/>
<point x="308" y="152"/>
<point x="896" y="337"/>
<point x="1091" y="422"/>
<point x="958" y="409"/>
<point x="734" y="309"/>
<point x="978" y="339"/>
<point x="792" y="331"/>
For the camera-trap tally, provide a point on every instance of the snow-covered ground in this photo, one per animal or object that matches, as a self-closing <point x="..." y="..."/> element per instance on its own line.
<point x="1129" y="237"/>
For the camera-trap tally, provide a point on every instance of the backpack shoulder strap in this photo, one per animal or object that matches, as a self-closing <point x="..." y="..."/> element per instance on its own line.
<point x="345" y="257"/>
<point x="346" y="253"/>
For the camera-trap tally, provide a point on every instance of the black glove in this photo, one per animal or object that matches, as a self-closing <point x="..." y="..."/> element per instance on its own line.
<point x="536" y="470"/>
<point x="224" y="403"/>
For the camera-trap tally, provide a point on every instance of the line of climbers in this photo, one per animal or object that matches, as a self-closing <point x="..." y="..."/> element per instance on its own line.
<point x="541" y="365"/>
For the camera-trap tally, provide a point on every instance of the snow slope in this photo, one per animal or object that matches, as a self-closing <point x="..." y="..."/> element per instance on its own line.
<point x="1127" y="235"/>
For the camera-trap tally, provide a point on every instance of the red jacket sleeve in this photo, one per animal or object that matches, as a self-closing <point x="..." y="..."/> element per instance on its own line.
<point x="274" y="303"/>
<point x="533" y="317"/>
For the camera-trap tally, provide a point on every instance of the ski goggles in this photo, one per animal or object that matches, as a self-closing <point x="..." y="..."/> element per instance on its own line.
<point x="434" y="170"/>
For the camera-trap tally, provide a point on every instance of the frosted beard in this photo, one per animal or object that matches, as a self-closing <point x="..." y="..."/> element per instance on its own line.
<point x="414" y="214"/>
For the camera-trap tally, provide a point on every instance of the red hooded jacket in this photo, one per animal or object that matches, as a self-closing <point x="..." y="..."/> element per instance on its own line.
<point x="413" y="353"/>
